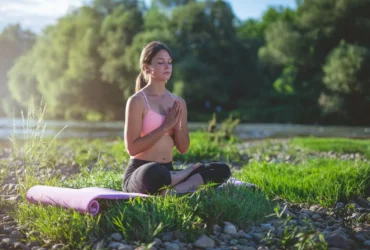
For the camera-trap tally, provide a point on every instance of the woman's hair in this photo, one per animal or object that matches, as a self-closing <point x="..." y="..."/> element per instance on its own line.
<point x="147" y="54"/>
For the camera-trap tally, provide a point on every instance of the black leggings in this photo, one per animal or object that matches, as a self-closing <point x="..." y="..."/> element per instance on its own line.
<point x="149" y="177"/>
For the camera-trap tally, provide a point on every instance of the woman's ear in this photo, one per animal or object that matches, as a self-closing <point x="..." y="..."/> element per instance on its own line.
<point x="146" y="68"/>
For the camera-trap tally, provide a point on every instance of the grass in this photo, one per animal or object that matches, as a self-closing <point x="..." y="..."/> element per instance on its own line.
<point x="339" y="145"/>
<point x="316" y="181"/>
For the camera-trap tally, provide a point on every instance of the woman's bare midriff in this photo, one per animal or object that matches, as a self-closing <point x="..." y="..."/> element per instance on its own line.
<point x="161" y="152"/>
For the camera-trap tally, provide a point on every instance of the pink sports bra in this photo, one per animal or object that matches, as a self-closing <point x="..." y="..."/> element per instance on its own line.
<point x="152" y="120"/>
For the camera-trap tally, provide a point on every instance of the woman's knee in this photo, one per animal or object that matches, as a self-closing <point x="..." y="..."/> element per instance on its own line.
<point x="216" y="172"/>
<point x="155" y="177"/>
<point x="222" y="169"/>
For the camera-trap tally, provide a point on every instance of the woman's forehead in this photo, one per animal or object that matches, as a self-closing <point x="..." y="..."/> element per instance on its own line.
<point x="162" y="54"/>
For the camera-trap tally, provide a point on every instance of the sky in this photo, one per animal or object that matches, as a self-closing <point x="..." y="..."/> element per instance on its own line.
<point x="36" y="14"/>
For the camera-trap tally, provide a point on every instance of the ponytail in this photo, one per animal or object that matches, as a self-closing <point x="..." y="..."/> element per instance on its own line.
<point x="140" y="82"/>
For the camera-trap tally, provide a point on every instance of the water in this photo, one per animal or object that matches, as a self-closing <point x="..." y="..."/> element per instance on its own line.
<point x="91" y="130"/>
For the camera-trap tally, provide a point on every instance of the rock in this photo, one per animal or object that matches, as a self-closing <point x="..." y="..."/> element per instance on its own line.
<point x="224" y="237"/>
<point x="360" y="236"/>
<point x="314" y="208"/>
<point x="363" y="202"/>
<point x="233" y="242"/>
<point x="22" y="246"/>
<point x="157" y="241"/>
<point x="58" y="246"/>
<point x="3" y="245"/>
<point x="257" y="237"/>
<point x="217" y="229"/>
<point x="99" y="245"/>
<point x="287" y="213"/>
<point x="167" y="236"/>
<point x="172" y="246"/>
<point x="337" y="240"/>
<point x="236" y="236"/>
<point x="16" y="235"/>
<point x="141" y="248"/>
<point x="8" y="230"/>
<point x="113" y="244"/>
<point x="8" y="241"/>
<point x="243" y="242"/>
<point x="248" y="236"/>
<point x="267" y="227"/>
<point x="229" y="228"/>
<point x="244" y="248"/>
<point x="116" y="236"/>
<point x="303" y="216"/>
<point x="179" y="235"/>
<point x="316" y="217"/>
<point x="124" y="247"/>
<point x="367" y="243"/>
<point x="204" y="242"/>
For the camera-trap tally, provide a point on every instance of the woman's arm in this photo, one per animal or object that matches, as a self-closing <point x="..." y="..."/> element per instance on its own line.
<point x="136" y="144"/>
<point x="181" y="131"/>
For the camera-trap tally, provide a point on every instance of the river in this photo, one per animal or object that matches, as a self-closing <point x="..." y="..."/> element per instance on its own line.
<point x="91" y="130"/>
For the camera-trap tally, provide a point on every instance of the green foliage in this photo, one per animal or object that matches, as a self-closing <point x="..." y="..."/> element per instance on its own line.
<point x="299" y="66"/>
<point x="346" y="69"/>
<point x="14" y="42"/>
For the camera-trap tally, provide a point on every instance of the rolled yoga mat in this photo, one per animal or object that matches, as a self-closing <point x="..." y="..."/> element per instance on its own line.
<point x="84" y="200"/>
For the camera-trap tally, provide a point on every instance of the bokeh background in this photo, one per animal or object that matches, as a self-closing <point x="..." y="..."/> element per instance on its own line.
<point x="286" y="62"/>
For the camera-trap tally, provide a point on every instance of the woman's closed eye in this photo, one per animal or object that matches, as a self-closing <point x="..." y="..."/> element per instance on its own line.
<point x="163" y="63"/>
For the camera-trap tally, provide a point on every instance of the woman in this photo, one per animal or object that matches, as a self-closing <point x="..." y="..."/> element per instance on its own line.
<point x="155" y="122"/>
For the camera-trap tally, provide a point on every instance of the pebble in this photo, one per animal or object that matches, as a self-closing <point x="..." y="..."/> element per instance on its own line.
<point x="204" y="242"/>
<point x="229" y="228"/>
<point x="116" y="236"/>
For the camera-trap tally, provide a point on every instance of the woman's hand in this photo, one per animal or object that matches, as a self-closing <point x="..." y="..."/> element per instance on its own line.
<point x="178" y="125"/>
<point x="173" y="116"/>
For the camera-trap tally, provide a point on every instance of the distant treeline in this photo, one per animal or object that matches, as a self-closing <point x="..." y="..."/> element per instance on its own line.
<point x="305" y="65"/>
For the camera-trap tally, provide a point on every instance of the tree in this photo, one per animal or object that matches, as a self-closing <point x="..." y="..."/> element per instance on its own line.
<point x="14" y="42"/>
<point x="346" y="75"/>
<point x="118" y="31"/>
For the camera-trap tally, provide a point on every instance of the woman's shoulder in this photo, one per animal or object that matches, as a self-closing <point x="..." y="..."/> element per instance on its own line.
<point x="135" y="99"/>
<point x="179" y="98"/>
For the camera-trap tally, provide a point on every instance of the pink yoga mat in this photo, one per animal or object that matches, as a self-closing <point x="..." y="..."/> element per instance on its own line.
<point x="83" y="200"/>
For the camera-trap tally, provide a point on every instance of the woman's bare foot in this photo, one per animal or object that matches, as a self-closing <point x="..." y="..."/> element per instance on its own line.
<point x="190" y="185"/>
<point x="178" y="176"/>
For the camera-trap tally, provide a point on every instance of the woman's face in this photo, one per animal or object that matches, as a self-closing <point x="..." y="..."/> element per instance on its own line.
<point x="161" y="67"/>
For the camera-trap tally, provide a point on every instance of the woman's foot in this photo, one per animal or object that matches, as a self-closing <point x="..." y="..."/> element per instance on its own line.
<point x="190" y="185"/>
<point x="179" y="176"/>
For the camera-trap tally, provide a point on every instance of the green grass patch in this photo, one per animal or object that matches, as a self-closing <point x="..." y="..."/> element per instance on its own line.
<point x="323" y="181"/>
<point x="339" y="145"/>
<point x="142" y="219"/>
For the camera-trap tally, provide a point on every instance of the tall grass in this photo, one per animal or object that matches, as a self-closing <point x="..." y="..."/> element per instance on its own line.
<point x="33" y="147"/>
<point x="323" y="181"/>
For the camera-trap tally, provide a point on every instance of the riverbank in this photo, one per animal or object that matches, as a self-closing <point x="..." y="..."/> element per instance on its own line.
<point x="286" y="218"/>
